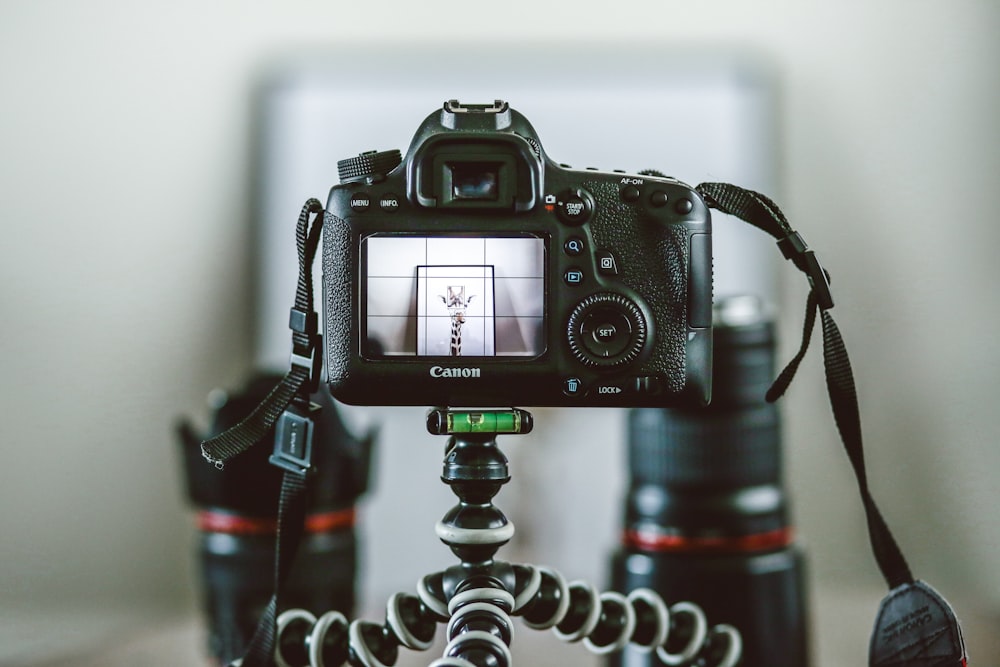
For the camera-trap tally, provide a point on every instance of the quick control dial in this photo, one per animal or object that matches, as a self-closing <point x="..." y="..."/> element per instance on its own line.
<point x="606" y="330"/>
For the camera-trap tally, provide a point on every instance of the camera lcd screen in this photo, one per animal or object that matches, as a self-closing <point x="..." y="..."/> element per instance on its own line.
<point x="440" y="296"/>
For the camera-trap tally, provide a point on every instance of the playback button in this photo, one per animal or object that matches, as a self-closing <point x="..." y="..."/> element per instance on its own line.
<point x="573" y="277"/>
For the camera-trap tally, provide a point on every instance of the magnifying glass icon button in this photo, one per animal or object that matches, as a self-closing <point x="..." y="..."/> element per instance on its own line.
<point x="573" y="246"/>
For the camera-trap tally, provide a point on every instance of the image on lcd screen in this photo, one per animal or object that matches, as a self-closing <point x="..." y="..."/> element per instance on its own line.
<point x="441" y="296"/>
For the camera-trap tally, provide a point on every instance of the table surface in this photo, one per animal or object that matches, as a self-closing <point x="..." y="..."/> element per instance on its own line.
<point x="119" y="638"/>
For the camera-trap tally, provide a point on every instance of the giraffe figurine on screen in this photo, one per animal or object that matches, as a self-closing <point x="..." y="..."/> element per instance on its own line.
<point x="456" y="302"/>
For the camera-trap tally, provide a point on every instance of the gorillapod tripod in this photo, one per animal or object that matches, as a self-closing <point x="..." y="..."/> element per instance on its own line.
<point x="477" y="597"/>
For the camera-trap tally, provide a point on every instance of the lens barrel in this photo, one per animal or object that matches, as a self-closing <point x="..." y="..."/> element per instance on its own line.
<point x="236" y="518"/>
<point x="706" y="515"/>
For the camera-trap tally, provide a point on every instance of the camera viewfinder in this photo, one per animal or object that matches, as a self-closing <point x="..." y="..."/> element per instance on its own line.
<point x="475" y="181"/>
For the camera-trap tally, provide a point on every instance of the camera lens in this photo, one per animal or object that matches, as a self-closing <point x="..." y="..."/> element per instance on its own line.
<point x="475" y="181"/>
<point x="237" y="522"/>
<point x="706" y="516"/>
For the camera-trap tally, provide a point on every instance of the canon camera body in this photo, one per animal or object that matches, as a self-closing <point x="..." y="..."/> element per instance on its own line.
<point x="477" y="272"/>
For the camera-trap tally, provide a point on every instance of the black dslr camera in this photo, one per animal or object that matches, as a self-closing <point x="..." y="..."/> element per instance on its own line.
<point x="477" y="272"/>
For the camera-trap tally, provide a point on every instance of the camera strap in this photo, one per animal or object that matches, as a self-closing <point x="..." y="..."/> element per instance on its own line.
<point x="302" y="378"/>
<point x="915" y="625"/>
<point x="287" y="413"/>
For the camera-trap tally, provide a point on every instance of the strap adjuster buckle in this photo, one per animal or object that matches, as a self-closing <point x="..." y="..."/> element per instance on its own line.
<point x="311" y="363"/>
<point x="794" y="248"/>
<point x="819" y="279"/>
<point x="304" y="323"/>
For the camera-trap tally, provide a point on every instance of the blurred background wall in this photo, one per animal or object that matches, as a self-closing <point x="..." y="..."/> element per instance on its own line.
<point x="125" y="259"/>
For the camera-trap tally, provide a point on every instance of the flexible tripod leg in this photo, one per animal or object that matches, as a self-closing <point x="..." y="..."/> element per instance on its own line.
<point x="477" y="597"/>
<point x="482" y="592"/>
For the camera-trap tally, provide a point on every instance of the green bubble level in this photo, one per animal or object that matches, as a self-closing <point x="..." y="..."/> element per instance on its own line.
<point x="499" y="421"/>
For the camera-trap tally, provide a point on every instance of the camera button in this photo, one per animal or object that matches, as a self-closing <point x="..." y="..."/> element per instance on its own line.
<point x="573" y="246"/>
<point x="606" y="263"/>
<point x="658" y="198"/>
<point x="606" y="333"/>
<point x="573" y="277"/>
<point x="572" y="386"/>
<point x="389" y="202"/>
<point x="630" y="194"/>
<point x="574" y="207"/>
<point x="360" y="201"/>
<point x="683" y="206"/>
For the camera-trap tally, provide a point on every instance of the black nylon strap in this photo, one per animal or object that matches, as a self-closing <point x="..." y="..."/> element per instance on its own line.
<point x="761" y="212"/>
<point x="296" y="387"/>
<point x="258" y="424"/>
<point x="303" y="376"/>
<point x="291" y="526"/>
<point x="844" y="400"/>
<point x="777" y="389"/>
